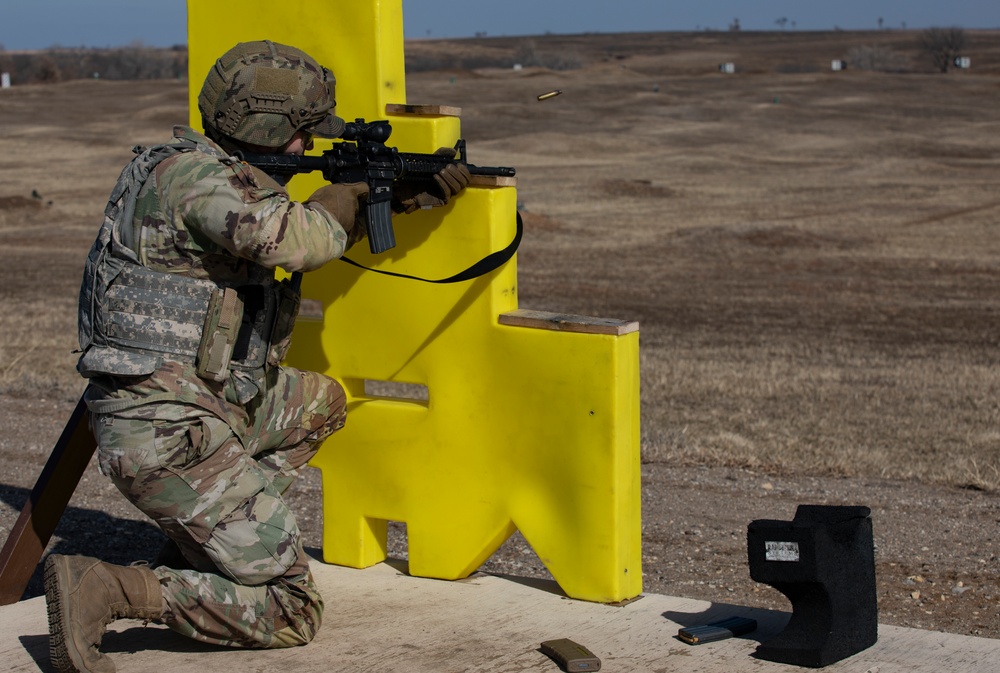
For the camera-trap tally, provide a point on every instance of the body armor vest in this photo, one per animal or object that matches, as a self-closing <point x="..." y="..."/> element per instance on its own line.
<point x="131" y="317"/>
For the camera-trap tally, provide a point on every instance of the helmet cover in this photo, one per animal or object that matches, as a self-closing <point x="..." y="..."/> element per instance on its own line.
<point x="262" y="92"/>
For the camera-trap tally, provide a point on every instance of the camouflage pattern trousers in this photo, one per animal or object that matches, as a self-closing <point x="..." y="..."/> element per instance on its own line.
<point x="214" y="486"/>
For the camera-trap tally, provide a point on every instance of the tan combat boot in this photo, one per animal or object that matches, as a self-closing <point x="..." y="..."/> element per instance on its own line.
<point x="84" y="595"/>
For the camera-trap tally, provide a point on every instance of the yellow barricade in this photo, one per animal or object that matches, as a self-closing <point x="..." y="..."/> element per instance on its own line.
<point x="468" y="418"/>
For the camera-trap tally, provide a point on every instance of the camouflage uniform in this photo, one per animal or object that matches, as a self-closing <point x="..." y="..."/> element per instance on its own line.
<point x="183" y="329"/>
<point x="208" y="459"/>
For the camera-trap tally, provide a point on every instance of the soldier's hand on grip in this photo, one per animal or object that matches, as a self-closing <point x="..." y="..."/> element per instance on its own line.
<point x="343" y="201"/>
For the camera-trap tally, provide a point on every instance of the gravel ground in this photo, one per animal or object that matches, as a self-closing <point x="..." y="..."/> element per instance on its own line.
<point x="937" y="558"/>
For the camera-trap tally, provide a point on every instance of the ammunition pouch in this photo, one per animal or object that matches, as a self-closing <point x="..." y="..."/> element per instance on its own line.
<point x="223" y="320"/>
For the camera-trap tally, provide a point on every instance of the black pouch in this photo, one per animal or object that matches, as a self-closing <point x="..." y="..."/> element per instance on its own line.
<point x="289" y="299"/>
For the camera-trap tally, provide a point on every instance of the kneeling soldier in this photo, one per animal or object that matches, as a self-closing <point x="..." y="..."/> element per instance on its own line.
<point x="183" y="328"/>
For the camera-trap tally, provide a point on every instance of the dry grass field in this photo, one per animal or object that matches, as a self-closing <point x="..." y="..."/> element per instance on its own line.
<point x="813" y="257"/>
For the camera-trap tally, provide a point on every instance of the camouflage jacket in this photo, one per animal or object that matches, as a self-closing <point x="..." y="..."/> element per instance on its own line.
<point x="206" y="215"/>
<point x="205" y="218"/>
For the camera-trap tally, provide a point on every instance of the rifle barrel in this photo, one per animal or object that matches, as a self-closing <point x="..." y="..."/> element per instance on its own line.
<point x="501" y="171"/>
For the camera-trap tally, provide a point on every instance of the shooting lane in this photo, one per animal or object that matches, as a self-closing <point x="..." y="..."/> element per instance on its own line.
<point x="468" y="418"/>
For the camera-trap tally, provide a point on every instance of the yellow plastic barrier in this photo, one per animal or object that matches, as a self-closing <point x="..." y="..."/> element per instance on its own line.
<point x="468" y="418"/>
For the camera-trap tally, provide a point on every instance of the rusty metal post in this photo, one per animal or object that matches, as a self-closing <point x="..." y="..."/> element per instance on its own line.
<point x="41" y="513"/>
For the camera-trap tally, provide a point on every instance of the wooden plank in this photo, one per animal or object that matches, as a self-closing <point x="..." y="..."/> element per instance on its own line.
<point x="568" y="323"/>
<point x="492" y="181"/>
<point x="310" y="310"/>
<point x="49" y="497"/>
<point x="423" y="110"/>
<point x="381" y="620"/>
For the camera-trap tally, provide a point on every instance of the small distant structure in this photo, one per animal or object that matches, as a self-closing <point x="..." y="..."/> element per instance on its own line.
<point x="5" y="80"/>
<point x="963" y="62"/>
<point x="727" y="68"/>
<point x="837" y="65"/>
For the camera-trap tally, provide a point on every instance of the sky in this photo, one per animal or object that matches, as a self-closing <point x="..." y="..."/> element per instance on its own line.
<point x="38" y="24"/>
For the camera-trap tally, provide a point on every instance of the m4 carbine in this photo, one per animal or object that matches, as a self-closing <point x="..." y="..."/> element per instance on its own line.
<point x="365" y="157"/>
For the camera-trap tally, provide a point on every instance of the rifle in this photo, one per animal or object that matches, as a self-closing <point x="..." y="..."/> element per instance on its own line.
<point x="365" y="157"/>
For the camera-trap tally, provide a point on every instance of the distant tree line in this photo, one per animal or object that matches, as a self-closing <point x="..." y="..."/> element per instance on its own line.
<point x="121" y="63"/>
<point x="939" y="46"/>
<point x="141" y="62"/>
<point x="877" y="58"/>
<point x="943" y="46"/>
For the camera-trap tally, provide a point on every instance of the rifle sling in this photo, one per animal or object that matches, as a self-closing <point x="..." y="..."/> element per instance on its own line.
<point x="492" y="261"/>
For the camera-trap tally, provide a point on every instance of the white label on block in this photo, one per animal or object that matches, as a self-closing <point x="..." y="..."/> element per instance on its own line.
<point x="781" y="551"/>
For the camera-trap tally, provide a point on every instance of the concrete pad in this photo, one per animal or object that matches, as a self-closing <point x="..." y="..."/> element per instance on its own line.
<point x="381" y="619"/>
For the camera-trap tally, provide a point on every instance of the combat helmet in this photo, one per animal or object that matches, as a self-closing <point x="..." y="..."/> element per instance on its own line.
<point x="262" y="92"/>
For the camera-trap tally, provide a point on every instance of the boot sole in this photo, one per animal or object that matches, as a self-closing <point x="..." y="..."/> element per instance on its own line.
<point x="59" y="652"/>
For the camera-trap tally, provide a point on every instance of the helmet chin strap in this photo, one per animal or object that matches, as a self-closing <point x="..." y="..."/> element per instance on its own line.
<point x="223" y="141"/>
<point x="232" y="146"/>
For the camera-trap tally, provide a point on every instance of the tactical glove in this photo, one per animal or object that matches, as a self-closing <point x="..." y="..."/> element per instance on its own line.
<point x="342" y="201"/>
<point x="448" y="182"/>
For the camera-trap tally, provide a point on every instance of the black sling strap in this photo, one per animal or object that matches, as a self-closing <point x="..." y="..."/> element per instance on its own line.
<point x="492" y="261"/>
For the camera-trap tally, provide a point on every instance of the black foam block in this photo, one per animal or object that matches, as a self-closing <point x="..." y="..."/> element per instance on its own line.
<point x="823" y="561"/>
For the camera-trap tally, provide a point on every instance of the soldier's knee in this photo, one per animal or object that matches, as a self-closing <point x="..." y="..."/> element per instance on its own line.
<point x="327" y="410"/>
<point x="301" y="613"/>
<point x="300" y="632"/>
<point x="307" y="632"/>
<point x="254" y="550"/>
